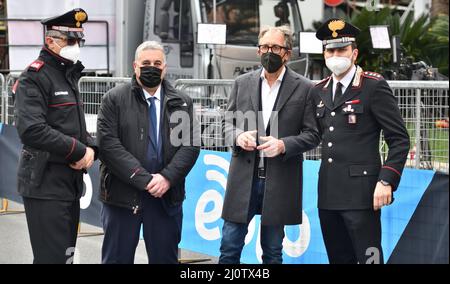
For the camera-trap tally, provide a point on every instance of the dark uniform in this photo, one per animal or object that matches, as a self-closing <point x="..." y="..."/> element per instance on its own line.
<point x="350" y="128"/>
<point x="51" y="124"/>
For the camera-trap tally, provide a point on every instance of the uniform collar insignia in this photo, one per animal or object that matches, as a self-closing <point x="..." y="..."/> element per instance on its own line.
<point x="328" y="83"/>
<point x="358" y="75"/>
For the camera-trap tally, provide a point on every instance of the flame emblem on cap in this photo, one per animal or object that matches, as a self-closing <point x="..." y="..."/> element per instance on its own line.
<point x="80" y="17"/>
<point x="336" y="25"/>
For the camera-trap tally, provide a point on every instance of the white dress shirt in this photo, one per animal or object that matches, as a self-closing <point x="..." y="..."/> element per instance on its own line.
<point x="269" y="95"/>
<point x="157" y="96"/>
<point x="346" y="81"/>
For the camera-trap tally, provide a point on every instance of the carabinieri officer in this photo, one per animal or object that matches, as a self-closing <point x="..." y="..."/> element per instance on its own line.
<point x="352" y="107"/>
<point x="57" y="148"/>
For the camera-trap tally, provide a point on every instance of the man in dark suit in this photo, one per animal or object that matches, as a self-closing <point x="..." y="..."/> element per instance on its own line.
<point x="352" y="108"/>
<point x="144" y="163"/>
<point x="265" y="175"/>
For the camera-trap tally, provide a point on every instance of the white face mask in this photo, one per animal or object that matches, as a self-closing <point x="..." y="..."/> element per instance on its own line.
<point x="338" y="65"/>
<point x="70" y="52"/>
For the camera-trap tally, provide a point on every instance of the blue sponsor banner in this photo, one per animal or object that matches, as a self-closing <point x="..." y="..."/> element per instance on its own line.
<point x="394" y="218"/>
<point x="205" y="187"/>
<point x="202" y="224"/>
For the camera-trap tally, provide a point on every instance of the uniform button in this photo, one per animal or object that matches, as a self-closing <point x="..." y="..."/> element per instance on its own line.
<point x="330" y="144"/>
<point x="331" y="128"/>
<point x="330" y="160"/>
<point x="333" y="114"/>
<point x="365" y="173"/>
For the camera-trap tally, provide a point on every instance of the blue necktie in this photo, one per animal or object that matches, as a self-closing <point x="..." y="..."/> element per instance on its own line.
<point x="153" y="122"/>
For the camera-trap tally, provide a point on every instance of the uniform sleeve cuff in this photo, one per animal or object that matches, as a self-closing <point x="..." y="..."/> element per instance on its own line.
<point x="76" y="152"/>
<point x="390" y="175"/>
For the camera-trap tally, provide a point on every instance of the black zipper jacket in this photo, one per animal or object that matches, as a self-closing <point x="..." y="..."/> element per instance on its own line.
<point x="50" y="121"/>
<point x="122" y="133"/>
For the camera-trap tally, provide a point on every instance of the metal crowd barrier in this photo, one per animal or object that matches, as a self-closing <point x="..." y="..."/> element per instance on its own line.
<point x="423" y="105"/>
<point x="92" y="90"/>
<point x="7" y="117"/>
<point x="210" y="99"/>
<point x="8" y="100"/>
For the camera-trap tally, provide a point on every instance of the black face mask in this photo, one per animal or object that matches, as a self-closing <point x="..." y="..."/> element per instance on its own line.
<point x="271" y="62"/>
<point x="150" y="76"/>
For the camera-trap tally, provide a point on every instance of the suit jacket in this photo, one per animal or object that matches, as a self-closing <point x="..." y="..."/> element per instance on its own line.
<point x="350" y="129"/>
<point x="295" y="125"/>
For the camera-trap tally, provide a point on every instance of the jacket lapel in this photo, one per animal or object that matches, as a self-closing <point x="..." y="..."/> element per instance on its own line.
<point x="255" y="93"/>
<point x="253" y="84"/>
<point x="288" y="87"/>
<point x="326" y="94"/>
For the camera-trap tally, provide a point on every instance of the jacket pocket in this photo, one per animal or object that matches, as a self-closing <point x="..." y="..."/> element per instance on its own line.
<point x="364" y="170"/>
<point x="32" y="166"/>
<point x="105" y="183"/>
<point x="363" y="181"/>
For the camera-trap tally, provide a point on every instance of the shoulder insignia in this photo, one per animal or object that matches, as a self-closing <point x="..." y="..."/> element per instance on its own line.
<point x="373" y="75"/>
<point x="357" y="79"/>
<point x="36" y="65"/>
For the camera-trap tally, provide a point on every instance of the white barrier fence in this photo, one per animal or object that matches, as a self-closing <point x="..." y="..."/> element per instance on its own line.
<point x="423" y="104"/>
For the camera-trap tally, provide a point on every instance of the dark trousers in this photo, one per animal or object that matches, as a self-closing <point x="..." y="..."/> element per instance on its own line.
<point x="162" y="232"/>
<point x="352" y="236"/>
<point x="233" y="234"/>
<point x="53" y="227"/>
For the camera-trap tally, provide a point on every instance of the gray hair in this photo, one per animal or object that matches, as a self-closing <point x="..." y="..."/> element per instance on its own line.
<point x="285" y="30"/>
<point x="54" y="33"/>
<point x="149" y="45"/>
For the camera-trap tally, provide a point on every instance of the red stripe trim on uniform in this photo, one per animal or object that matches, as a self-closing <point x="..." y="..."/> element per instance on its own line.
<point x="373" y="77"/>
<point x="392" y="169"/>
<point x="65" y="104"/>
<point x="73" y="148"/>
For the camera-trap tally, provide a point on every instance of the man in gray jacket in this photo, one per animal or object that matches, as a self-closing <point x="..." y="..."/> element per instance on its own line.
<point x="265" y="175"/>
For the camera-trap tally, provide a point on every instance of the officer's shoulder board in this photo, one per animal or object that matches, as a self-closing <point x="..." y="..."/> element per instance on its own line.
<point x="372" y="75"/>
<point x="36" y="65"/>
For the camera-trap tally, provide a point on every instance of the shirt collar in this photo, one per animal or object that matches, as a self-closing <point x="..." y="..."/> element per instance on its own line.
<point x="157" y="94"/>
<point x="347" y="78"/>
<point x="279" y="79"/>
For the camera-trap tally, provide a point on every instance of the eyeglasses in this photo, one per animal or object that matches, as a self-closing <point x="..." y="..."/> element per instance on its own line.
<point x="72" y="41"/>
<point x="264" y="48"/>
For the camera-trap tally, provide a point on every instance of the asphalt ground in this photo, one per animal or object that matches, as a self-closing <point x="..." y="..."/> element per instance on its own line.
<point x="15" y="247"/>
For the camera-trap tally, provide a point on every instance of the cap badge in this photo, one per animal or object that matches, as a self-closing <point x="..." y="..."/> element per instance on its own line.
<point x="336" y="26"/>
<point x="80" y="17"/>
